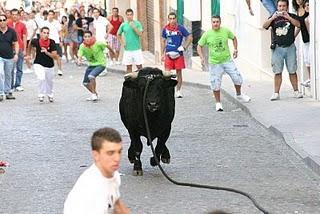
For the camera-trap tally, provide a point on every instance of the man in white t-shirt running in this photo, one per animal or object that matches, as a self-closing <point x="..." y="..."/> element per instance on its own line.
<point x="97" y="189"/>
<point x="55" y="35"/>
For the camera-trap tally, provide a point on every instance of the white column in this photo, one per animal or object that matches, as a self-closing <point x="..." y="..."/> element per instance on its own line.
<point x="315" y="48"/>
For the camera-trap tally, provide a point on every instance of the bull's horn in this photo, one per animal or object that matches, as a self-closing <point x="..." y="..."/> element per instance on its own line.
<point x="166" y="73"/>
<point x="131" y="75"/>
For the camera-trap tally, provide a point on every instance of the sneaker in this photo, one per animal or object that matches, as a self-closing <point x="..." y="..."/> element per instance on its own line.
<point x="275" y="96"/>
<point x="50" y="98"/>
<point x="103" y="73"/>
<point x="243" y="98"/>
<point x="179" y="94"/>
<point x="10" y="96"/>
<point x="219" y="107"/>
<point x="41" y="99"/>
<point x="306" y="83"/>
<point x="60" y="73"/>
<point x="28" y="71"/>
<point x="19" y="88"/>
<point x="93" y="97"/>
<point x="297" y="94"/>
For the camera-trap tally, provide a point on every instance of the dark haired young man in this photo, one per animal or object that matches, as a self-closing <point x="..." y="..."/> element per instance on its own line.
<point x="43" y="64"/>
<point x="97" y="189"/>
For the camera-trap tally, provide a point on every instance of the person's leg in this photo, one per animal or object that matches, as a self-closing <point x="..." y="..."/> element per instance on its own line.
<point x="40" y="72"/>
<point x="8" y="77"/>
<point x="291" y="64"/>
<point x="19" y="69"/>
<point x="270" y="6"/>
<point x="86" y="78"/>
<point x="137" y="58"/>
<point x="2" y="78"/>
<point x="179" y="79"/>
<point x="277" y="82"/>
<point x="215" y="76"/>
<point x="129" y="68"/>
<point x="65" y="48"/>
<point x="49" y="75"/>
<point x="92" y="79"/>
<point x="58" y="59"/>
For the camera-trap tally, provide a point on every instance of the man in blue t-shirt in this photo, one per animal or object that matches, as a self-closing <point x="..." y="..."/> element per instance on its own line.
<point x="172" y="54"/>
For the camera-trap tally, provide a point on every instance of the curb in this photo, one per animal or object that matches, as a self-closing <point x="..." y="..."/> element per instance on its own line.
<point x="309" y="160"/>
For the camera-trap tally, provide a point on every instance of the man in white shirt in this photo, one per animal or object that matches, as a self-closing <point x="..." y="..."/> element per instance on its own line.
<point x="101" y="25"/>
<point x="97" y="189"/>
<point x="32" y="27"/>
<point x="55" y="34"/>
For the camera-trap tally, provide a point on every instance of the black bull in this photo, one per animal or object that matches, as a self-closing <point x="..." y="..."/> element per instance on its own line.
<point x="160" y="106"/>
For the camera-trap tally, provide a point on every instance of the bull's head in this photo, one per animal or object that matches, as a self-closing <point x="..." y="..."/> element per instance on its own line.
<point x="158" y="84"/>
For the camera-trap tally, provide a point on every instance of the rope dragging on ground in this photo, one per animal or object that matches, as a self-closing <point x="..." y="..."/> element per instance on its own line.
<point x="255" y="203"/>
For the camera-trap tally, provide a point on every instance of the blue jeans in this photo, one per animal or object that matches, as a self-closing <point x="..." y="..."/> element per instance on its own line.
<point x="281" y="55"/>
<point x="270" y="5"/>
<point x="6" y="66"/>
<point x="19" y="72"/>
<point x="92" y="72"/>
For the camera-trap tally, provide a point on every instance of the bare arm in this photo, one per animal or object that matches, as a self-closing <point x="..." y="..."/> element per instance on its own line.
<point x="267" y="24"/>
<point x="188" y="41"/>
<point x="292" y="20"/>
<point x="200" y="52"/>
<point x="110" y="27"/>
<point x="163" y="42"/>
<point x="120" y="208"/>
<point x="249" y="7"/>
<point x="235" y="46"/>
<point x="136" y="30"/>
<point x="307" y="22"/>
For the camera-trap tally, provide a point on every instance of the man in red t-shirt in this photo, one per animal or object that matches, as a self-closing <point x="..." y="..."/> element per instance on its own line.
<point x="21" y="31"/>
<point x="116" y="20"/>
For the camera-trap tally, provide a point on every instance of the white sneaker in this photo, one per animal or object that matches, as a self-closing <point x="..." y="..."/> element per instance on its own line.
<point x="103" y="73"/>
<point x="60" y="73"/>
<point x="179" y="94"/>
<point x="19" y="88"/>
<point x="297" y="94"/>
<point x="275" y="96"/>
<point x="41" y="99"/>
<point x="118" y="63"/>
<point x="243" y="98"/>
<point x="93" y="97"/>
<point x="219" y="107"/>
<point x="306" y="83"/>
<point x="28" y="71"/>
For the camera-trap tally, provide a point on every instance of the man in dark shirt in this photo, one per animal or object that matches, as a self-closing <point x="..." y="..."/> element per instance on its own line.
<point x="8" y="40"/>
<point x="283" y="25"/>
<point x="83" y="24"/>
<point x="43" y="64"/>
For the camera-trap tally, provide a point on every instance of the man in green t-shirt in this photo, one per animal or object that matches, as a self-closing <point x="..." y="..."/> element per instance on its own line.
<point x="132" y="31"/>
<point x="220" y="60"/>
<point x="93" y="51"/>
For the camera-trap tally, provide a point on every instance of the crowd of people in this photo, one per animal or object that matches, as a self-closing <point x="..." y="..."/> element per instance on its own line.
<point x="24" y="41"/>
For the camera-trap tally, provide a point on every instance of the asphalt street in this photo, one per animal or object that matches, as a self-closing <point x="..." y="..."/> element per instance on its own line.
<point x="47" y="146"/>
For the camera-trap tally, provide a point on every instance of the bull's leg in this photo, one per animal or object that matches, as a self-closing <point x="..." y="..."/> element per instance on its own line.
<point x="161" y="149"/>
<point x="165" y="154"/>
<point x="134" y="153"/>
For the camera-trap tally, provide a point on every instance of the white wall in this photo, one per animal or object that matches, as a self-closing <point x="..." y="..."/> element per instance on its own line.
<point x="206" y="14"/>
<point x="249" y="32"/>
<point x="192" y="10"/>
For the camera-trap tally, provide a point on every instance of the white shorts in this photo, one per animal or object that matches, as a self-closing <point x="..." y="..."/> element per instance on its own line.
<point x="132" y="57"/>
<point x="216" y="72"/>
<point x="306" y="54"/>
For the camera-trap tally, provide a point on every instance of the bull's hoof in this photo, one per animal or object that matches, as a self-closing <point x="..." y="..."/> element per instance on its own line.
<point x="137" y="172"/>
<point x="165" y="160"/>
<point x="131" y="160"/>
<point x="153" y="161"/>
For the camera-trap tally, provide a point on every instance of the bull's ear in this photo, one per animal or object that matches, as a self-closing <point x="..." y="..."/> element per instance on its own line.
<point x="130" y="84"/>
<point x="170" y="83"/>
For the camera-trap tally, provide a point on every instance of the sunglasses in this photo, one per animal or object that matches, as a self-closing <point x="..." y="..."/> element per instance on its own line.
<point x="3" y="20"/>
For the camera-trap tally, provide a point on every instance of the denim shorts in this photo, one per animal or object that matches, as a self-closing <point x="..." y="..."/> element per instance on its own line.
<point x="281" y="55"/>
<point x="216" y="72"/>
<point x="92" y="72"/>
